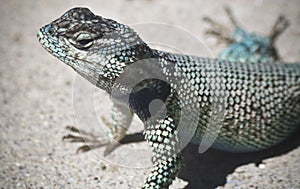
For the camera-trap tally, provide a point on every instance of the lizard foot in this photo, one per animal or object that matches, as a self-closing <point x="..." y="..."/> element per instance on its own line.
<point x="220" y="31"/>
<point x="91" y="141"/>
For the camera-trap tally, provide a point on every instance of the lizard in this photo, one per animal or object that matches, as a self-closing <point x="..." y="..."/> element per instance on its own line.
<point x="243" y="45"/>
<point x="259" y="102"/>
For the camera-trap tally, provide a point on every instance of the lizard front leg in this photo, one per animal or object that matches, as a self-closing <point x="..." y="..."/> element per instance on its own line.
<point x="167" y="159"/>
<point x="121" y="117"/>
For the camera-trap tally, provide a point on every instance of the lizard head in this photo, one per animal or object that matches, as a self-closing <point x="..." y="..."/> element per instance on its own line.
<point x="97" y="48"/>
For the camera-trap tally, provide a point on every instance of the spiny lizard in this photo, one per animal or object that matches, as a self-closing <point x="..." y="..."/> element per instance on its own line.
<point x="239" y="106"/>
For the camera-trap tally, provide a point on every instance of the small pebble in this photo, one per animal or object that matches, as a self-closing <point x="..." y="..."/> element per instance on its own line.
<point x="261" y="166"/>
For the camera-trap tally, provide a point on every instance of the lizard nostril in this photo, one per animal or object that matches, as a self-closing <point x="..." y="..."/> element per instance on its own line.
<point x="49" y="29"/>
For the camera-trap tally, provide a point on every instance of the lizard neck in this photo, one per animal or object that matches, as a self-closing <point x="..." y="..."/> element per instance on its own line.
<point x="118" y="62"/>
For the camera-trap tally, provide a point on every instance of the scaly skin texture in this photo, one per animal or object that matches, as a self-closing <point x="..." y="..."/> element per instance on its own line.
<point x="255" y="105"/>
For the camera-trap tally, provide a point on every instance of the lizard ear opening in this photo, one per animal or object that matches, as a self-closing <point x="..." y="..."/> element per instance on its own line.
<point x="82" y="41"/>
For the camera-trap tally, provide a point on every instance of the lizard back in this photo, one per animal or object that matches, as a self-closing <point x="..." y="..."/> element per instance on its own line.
<point x="260" y="102"/>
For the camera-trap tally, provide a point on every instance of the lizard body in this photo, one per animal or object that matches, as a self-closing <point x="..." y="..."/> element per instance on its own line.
<point x="259" y="102"/>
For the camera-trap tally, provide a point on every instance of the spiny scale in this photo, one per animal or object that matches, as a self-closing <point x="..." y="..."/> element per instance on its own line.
<point x="260" y="102"/>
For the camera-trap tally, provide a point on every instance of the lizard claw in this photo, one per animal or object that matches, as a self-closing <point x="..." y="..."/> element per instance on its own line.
<point x="91" y="141"/>
<point x="73" y="138"/>
<point x="84" y="148"/>
<point x="72" y="128"/>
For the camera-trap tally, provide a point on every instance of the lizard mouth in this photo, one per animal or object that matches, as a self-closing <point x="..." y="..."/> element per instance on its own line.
<point x="40" y="37"/>
<point x="50" y="42"/>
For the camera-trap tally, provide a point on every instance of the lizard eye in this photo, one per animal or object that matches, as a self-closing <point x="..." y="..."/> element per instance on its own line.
<point x="83" y="41"/>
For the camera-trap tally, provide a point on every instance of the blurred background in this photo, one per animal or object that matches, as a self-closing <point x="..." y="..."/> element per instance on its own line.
<point x="36" y="97"/>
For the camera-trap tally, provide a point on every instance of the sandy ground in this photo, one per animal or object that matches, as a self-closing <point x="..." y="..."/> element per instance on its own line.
<point x="37" y="90"/>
